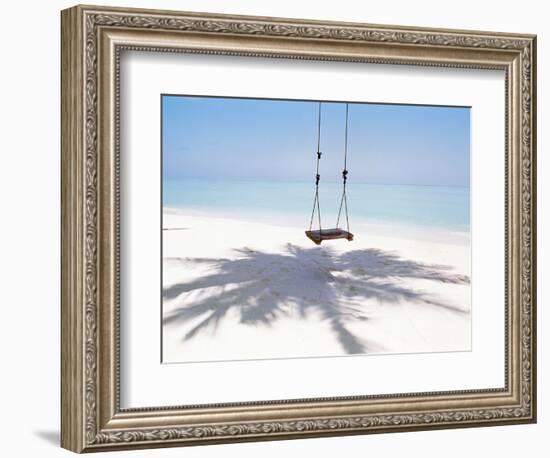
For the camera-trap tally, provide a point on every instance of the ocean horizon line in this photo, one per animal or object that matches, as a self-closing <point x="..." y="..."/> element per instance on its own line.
<point x="350" y="181"/>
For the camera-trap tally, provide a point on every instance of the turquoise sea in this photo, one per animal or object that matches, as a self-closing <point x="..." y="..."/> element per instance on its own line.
<point x="438" y="207"/>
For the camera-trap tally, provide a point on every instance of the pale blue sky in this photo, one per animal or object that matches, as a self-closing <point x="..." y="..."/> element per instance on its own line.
<point x="276" y="140"/>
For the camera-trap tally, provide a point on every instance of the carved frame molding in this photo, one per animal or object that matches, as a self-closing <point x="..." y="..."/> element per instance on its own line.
<point x="92" y="39"/>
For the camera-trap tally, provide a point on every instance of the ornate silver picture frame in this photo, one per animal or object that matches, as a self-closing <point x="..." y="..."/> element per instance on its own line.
<point x="93" y="39"/>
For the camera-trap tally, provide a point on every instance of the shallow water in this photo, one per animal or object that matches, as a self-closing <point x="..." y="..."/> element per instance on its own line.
<point x="438" y="207"/>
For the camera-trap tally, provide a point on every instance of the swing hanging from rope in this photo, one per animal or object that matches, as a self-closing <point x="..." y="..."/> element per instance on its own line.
<point x="318" y="236"/>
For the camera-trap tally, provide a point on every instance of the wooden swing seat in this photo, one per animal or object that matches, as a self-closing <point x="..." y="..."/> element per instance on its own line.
<point x="329" y="234"/>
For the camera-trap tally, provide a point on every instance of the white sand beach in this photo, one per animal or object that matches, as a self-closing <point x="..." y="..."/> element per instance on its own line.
<point x="238" y="289"/>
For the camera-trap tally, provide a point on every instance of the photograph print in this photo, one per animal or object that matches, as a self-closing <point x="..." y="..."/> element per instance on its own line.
<point x="312" y="228"/>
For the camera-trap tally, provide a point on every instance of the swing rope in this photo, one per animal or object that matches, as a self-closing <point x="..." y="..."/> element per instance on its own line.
<point x="317" y="176"/>
<point x="344" y="200"/>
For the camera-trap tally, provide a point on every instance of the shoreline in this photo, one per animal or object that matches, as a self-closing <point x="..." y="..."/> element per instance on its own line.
<point x="434" y="234"/>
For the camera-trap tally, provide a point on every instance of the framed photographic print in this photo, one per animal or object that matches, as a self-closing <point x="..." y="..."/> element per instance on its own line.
<point x="279" y="228"/>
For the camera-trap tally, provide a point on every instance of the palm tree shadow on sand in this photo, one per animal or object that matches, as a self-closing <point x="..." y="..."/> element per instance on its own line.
<point x="263" y="285"/>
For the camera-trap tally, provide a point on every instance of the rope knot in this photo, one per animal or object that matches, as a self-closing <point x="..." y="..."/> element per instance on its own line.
<point x="319" y="154"/>
<point x="345" y="174"/>
<point x="317" y="178"/>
